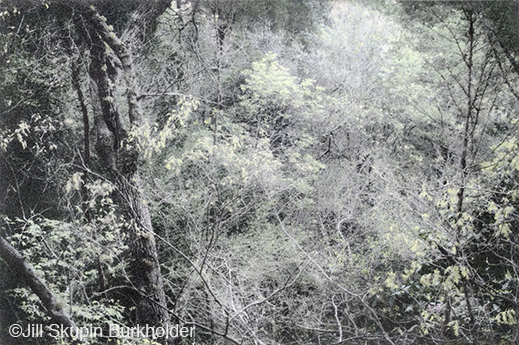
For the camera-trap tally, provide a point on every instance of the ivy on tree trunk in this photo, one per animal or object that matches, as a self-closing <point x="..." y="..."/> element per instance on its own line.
<point x="120" y="157"/>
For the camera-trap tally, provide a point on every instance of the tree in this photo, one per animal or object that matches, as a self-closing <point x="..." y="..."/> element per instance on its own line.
<point x="192" y="173"/>
<point x="462" y="132"/>
<point x="99" y="44"/>
<point x="118" y="156"/>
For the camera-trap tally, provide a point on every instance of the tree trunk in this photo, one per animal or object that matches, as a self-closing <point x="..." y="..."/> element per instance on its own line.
<point x="119" y="157"/>
<point x="26" y="273"/>
<point x="120" y="161"/>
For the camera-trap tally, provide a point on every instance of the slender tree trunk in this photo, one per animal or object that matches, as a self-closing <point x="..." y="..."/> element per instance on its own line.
<point x="469" y="115"/>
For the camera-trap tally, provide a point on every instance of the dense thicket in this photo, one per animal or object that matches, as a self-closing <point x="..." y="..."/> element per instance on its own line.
<point x="269" y="172"/>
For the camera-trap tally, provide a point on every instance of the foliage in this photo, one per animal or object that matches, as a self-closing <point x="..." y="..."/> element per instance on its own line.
<point x="334" y="175"/>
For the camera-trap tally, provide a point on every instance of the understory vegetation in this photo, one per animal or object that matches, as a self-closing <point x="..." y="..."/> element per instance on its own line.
<point x="268" y="172"/>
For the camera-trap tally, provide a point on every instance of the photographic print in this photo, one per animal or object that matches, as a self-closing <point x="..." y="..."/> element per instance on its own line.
<point x="259" y="172"/>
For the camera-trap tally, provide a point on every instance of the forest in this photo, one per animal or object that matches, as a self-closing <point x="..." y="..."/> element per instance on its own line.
<point x="259" y="172"/>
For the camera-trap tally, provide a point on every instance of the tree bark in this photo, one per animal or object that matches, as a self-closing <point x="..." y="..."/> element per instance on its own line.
<point x="28" y="275"/>
<point x="108" y="56"/>
<point x="120" y="160"/>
